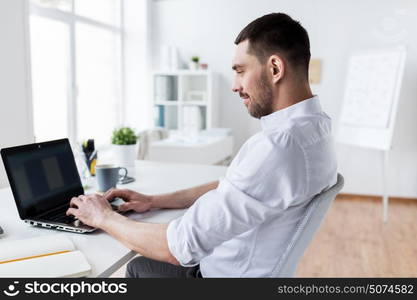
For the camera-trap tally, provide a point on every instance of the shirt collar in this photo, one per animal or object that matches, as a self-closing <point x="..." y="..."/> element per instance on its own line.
<point x="308" y="106"/>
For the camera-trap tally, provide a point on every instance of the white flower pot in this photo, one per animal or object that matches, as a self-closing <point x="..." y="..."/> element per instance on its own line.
<point x="125" y="155"/>
<point x="193" y="65"/>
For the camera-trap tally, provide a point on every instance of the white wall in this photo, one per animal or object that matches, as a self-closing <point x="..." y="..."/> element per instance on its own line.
<point x="15" y="109"/>
<point x="337" y="28"/>
<point x="136" y="64"/>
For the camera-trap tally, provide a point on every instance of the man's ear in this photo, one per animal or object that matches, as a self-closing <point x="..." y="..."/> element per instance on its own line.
<point x="277" y="68"/>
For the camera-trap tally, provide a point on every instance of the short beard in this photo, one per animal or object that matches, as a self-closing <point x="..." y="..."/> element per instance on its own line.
<point x="261" y="103"/>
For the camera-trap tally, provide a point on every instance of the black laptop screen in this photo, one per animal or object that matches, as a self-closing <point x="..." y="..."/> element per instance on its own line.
<point x="42" y="176"/>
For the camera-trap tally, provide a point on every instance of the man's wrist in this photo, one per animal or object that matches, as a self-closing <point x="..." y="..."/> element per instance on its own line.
<point x="106" y="217"/>
<point x="153" y="201"/>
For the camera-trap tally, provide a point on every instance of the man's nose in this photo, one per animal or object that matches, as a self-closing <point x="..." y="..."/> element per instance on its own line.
<point x="236" y="87"/>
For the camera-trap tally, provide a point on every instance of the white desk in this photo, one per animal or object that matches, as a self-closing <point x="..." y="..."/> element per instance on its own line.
<point x="104" y="253"/>
<point x="204" y="149"/>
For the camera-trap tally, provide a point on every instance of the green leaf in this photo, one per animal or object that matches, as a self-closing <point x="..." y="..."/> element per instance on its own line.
<point x="124" y="136"/>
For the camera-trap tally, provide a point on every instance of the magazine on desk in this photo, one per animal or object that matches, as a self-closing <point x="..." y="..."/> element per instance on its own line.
<point x="46" y="256"/>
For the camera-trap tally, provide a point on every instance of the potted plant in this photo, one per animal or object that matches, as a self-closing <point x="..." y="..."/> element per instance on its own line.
<point x="124" y="142"/>
<point x="194" y="62"/>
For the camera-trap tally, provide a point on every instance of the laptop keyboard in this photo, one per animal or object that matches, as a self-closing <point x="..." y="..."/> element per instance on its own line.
<point x="60" y="217"/>
<point x="64" y="219"/>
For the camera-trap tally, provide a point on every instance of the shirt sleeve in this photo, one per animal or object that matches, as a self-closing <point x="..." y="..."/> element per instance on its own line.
<point x="215" y="217"/>
<point x="246" y="198"/>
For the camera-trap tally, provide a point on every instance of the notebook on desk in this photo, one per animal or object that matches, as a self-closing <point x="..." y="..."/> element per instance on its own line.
<point x="46" y="256"/>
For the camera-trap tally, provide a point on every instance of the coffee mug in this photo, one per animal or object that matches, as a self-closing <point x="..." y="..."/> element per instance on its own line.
<point x="108" y="176"/>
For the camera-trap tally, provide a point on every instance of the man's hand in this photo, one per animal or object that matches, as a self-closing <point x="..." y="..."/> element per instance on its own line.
<point x="91" y="210"/>
<point x="134" y="201"/>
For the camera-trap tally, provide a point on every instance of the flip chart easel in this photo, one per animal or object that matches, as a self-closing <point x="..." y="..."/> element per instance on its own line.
<point x="370" y="105"/>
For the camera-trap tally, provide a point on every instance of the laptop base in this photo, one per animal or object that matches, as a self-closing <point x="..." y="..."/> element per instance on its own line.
<point x="81" y="228"/>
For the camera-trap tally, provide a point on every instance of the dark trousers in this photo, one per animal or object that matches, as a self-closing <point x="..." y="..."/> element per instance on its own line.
<point x="142" y="267"/>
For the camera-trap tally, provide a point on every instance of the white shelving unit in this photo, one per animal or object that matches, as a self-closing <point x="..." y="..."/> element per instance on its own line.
<point x="186" y="105"/>
<point x="182" y="97"/>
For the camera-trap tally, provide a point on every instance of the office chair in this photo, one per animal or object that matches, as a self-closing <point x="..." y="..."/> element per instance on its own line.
<point x="148" y="136"/>
<point x="306" y="229"/>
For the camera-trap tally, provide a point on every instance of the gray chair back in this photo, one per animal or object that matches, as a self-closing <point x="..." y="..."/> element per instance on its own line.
<point x="148" y="136"/>
<point x="306" y="229"/>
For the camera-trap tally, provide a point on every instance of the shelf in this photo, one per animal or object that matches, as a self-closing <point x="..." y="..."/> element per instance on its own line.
<point x="199" y="103"/>
<point x="181" y="72"/>
<point x="166" y="116"/>
<point x="194" y="88"/>
<point x="165" y="88"/>
<point x="183" y="99"/>
<point x="180" y="102"/>
<point x="168" y="102"/>
<point x="194" y="118"/>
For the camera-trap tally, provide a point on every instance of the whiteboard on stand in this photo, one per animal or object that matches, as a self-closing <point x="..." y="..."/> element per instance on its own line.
<point x="371" y="97"/>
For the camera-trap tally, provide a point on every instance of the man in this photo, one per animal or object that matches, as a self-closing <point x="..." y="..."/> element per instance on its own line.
<point x="239" y="226"/>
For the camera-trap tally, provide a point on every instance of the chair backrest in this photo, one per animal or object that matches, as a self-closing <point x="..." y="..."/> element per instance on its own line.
<point x="306" y="229"/>
<point x="148" y="136"/>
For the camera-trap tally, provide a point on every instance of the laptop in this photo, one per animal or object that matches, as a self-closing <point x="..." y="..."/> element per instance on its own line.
<point x="43" y="178"/>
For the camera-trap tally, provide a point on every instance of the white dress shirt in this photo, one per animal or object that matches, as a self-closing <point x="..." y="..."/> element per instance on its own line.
<point x="241" y="228"/>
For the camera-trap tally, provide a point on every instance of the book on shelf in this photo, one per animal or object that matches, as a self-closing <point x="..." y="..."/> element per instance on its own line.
<point x="160" y="116"/>
<point x="46" y="256"/>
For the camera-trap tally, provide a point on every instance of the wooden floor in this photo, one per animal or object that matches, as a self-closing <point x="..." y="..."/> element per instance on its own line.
<point x="354" y="242"/>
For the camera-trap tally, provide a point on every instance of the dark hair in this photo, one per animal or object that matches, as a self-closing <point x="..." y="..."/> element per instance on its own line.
<point x="277" y="33"/>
